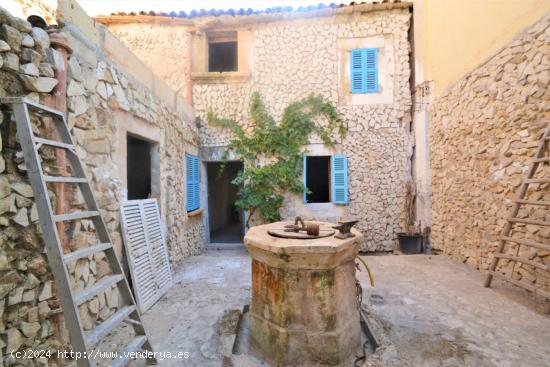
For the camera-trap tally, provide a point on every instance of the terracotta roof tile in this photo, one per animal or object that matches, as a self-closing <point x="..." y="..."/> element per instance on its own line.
<point x="250" y="11"/>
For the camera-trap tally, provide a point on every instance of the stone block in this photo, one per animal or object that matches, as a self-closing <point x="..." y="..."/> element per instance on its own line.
<point x="10" y="61"/>
<point x="12" y="37"/>
<point x="29" y="69"/>
<point x="41" y="37"/>
<point x="38" y="84"/>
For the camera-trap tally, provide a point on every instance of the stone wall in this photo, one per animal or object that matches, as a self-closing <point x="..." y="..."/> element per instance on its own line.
<point x="484" y="132"/>
<point x="292" y="59"/>
<point x="101" y="95"/>
<point x="159" y="45"/>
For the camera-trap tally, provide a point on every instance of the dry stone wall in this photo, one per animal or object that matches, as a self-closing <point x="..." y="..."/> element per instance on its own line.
<point x="159" y="45"/>
<point x="484" y="132"/>
<point x="98" y="93"/>
<point x="294" y="59"/>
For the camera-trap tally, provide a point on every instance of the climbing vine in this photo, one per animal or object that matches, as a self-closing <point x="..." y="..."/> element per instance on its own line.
<point x="272" y="152"/>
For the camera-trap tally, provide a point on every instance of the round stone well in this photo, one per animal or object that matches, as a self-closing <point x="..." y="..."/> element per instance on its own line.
<point x="303" y="310"/>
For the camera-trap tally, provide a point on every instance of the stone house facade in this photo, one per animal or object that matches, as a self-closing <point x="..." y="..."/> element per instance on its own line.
<point x="286" y="57"/>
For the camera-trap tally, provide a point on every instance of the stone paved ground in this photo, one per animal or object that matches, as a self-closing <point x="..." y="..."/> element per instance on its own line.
<point x="433" y="310"/>
<point x="437" y="313"/>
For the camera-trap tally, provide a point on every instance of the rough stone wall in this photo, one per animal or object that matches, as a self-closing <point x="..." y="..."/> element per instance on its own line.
<point x="98" y="91"/>
<point x="159" y="45"/>
<point x="292" y="60"/>
<point x="484" y="132"/>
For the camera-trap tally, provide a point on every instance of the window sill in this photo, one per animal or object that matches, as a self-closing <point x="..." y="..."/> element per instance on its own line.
<point x="195" y="212"/>
<point x="220" y="77"/>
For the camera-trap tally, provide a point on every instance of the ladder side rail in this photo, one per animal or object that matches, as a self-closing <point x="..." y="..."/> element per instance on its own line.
<point x="520" y="194"/>
<point x="50" y="235"/>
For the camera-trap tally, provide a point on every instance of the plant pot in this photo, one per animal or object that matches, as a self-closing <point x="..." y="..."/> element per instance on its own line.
<point x="410" y="243"/>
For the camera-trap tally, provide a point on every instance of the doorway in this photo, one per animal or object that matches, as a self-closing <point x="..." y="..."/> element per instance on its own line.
<point x="138" y="168"/>
<point x="224" y="218"/>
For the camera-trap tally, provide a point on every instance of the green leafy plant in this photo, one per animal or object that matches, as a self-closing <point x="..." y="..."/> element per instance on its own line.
<point x="272" y="152"/>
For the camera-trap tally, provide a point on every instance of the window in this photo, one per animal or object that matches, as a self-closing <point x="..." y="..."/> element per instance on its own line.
<point x="192" y="182"/>
<point x="326" y="179"/>
<point x="222" y="52"/>
<point x="364" y="70"/>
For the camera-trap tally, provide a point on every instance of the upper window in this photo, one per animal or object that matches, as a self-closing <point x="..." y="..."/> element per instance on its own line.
<point x="364" y="70"/>
<point x="326" y="179"/>
<point x="192" y="182"/>
<point x="222" y="52"/>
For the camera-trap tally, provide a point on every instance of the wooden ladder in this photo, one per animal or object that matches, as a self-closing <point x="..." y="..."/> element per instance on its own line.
<point x="539" y="159"/>
<point x="82" y="341"/>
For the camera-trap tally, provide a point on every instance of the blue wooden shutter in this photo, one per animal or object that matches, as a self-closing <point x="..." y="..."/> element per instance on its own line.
<point x="371" y="70"/>
<point x="196" y="182"/>
<point x="356" y="67"/>
<point x="305" y="179"/>
<point x="339" y="179"/>
<point x="364" y="70"/>
<point x="189" y="183"/>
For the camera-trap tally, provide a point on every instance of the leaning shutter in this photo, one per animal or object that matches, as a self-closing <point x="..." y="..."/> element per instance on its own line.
<point x="137" y="252"/>
<point x="357" y="71"/>
<point x="305" y="179"/>
<point x="157" y="244"/>
<point x="371" y="69"/>
<point x="339" y="171"/>
<point x="196" y="183"/>
<point x="189" y="183"/>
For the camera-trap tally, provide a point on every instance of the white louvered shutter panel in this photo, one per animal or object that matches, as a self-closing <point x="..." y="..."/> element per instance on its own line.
<point x="159" y="252"/>
<point x="146" y="251"/>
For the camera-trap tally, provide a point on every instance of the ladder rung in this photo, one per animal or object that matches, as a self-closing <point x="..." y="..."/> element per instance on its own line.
<point x="98" y="287"/>
<point x="75" y="215"/>
<point x="542" y="246"/>
<point x="523" y="261"/>
<point x="84" y="252"/>
<point x="542" y="160"/>
<point x="529" y="221"/>
<point x="126" y="354"/>
<point x="34" y="106"/>
<point x="527" y="286"/>
<point x="65" y="179"/>
<point x="533" y="202"/>
<point x="537" y="180"/>
<point x="102" y="330"/>
<point x="54" y="143"/>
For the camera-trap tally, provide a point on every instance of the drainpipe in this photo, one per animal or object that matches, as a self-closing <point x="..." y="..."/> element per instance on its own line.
<point x="58" y="100"/>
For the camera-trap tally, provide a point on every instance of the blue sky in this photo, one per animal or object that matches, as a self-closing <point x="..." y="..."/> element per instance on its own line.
<point x="97" y="7"/>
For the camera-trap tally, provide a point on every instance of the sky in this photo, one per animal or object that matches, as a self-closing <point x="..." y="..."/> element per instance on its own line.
<point x="104" y="7"/>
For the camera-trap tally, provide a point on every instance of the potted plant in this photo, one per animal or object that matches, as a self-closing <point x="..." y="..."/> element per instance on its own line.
<point x="410" y="241"/>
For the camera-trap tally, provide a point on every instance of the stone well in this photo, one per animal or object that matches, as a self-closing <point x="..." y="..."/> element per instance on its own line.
<point x="304" y="307"/>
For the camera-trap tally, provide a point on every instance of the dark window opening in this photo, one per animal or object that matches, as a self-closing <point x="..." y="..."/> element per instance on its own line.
<point x="138" y="168"/>
<point x="222" y="56"/>
<point x="318" y="179"/>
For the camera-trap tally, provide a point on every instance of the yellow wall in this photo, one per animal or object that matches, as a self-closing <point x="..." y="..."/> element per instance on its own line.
<point x="452" y="37"/>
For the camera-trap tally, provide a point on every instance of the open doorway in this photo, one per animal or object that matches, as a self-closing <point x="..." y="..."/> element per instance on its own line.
<point x="224" y="218"/>
<point x="138" y="168"/>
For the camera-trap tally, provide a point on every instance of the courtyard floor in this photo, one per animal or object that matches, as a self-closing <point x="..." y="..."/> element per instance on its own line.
<point x="430" y="310"/>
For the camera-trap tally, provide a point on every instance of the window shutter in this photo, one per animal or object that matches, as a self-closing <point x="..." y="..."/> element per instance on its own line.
<point x="364" y="70"/>
<point x="305" y="179"/>
<point x="371" y="70"/>
<point x="339" y="172"/>
<point x="197" y="183"/>
<point x="189" y="183"/>
<point x="357" y="71"/>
